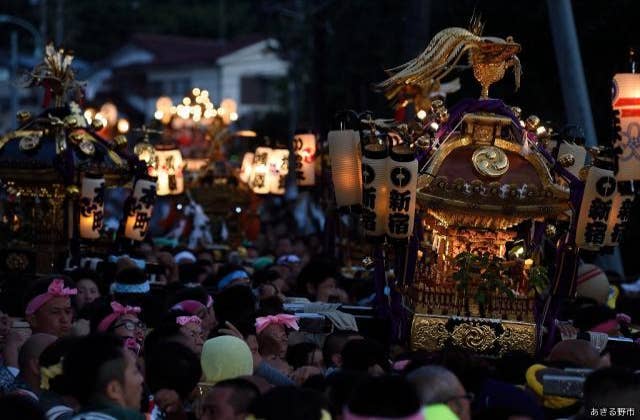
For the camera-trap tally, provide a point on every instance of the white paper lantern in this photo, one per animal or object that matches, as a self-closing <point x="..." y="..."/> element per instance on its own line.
<point x="140" y="208"/>
<point x="579" y="154"/>
<point x="402" y="178"/>
<point x="168" y="168"/>
<point x="91" y="206"/>
<point x="258" y="181"/>
<point x="626" y="105"/>
<point x="595" y="211"/>
<point x="621" y="210"/>
<point x="346" y="167"/>
<point x="375" y="191"/>
<point x="246" y="167"/>
<point x="278" y="168"/>
<point x="304" y="146"/>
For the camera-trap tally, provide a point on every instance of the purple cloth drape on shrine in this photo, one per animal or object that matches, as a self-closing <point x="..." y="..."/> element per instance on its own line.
<point x="466" y="106"/>
<point x="398" y="317"/>
<point x="404" y="268"/>
<point x="538" y="234"/>
<point x="566" y="256"/>
<point x="380" y="282"/>
<point x="470" y="105"/>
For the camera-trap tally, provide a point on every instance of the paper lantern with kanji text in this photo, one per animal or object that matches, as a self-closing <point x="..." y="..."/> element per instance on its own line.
<point x="375" y="191"/>
<point x="139" y="208"/>
<point x="402" y="177"/>
<point x="304" y="146"/>
<point x="168" y="168"/>
<point x="593" y="229"/>
<point x="278" y="164"/>
<point x="91" y="206"/>
<point x="626" y="106"/>
<point x="258" y="181"/>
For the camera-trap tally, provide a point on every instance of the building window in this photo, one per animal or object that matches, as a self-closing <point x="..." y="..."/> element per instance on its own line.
<point x="260" y="90"/>
<point x="179" y="87"/>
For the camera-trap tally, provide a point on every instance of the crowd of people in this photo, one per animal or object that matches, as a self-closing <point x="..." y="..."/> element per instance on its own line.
<point x="260" y="333"/>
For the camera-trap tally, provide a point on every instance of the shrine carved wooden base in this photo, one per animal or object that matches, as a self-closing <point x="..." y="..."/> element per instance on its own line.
<point x="490" y="337"/>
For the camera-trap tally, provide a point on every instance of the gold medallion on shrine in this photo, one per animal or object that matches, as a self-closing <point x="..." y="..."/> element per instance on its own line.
<point x="490" y="161"/>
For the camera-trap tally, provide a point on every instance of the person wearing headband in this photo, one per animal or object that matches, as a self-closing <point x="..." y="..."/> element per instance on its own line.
<point x="121" y="320"/>
<point x="190" y="326"/>
<point x="233" y="278"/>
<point x="130" y="285"/>
<point x="196" y="301"/>
<point x="48" y="308"/>
<point x="273" y="340"/>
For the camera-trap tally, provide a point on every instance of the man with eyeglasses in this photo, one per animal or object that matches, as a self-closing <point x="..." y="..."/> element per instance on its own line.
<point x="123" y="321"/>
<point x="438" y="385"/>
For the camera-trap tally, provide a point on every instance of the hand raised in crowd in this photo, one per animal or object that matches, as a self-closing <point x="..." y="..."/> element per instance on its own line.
<point x="568" y="332"/>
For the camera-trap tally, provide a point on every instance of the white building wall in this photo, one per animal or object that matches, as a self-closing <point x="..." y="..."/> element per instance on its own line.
<point x="255" y="60"/>
<point x="201" y="77"/>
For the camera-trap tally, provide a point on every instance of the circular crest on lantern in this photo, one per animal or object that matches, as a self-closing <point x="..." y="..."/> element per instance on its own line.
<point x="87" y="147"/>
<point x="30" y="141"/>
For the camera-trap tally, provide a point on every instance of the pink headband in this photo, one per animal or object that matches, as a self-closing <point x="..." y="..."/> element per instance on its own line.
<point x="588" y="275"/>
<point x="56" y="289"/>
<point x="348" y="415"/>
<point x="184" y="320"/>
<point x="280" y="319"/>
<point x="400" y="364"/>
<point x="118" y="311"/>
<point x="191" y="306"/>
<point x="612" y="323"/>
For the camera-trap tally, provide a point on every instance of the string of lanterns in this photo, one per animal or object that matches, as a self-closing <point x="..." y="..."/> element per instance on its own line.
<point x="195" y="108"/>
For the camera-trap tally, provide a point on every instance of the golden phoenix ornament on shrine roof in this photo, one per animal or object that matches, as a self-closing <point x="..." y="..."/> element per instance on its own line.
<point x="489" y="57"/>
